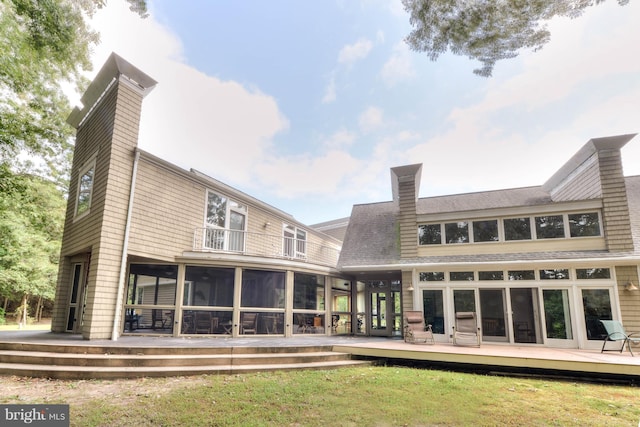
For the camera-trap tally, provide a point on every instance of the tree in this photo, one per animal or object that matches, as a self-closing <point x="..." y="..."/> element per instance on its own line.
<point x="486" y="30"/>
<point x="31" y="222"/>
<point x="44" y="44"/>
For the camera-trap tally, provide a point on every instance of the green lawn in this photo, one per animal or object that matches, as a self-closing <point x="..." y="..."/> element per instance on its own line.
<point x="363" y="396"/>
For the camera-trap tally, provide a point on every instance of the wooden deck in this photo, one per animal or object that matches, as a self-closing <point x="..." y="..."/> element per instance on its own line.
<point x="589" y="365"/>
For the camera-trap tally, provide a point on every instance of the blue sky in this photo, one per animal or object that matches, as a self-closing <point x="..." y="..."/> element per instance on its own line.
<point x="307" y="105"/>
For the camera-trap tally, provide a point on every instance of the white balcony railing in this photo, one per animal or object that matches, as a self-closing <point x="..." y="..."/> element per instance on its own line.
<point x="260" y="244"/>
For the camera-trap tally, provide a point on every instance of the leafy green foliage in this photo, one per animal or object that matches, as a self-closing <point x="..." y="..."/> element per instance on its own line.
<point x="44" y="45"/>
<point x="486" y="30"/>
<point x="31" y="223"/>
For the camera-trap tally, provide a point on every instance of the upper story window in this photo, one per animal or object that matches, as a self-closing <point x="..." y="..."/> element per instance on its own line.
<point x="556" y="226"/>
<point x="225" y="222"/>
<point x="584" y="224"/>
<point x="294" y="243"/>
<point x="430" y="234"/>
<point x="517" y="229"/>
<point x="485" y="231"/>
<point x="85" y="189"/>
<point x="457" y="232"/>
<point x="549" y="227"/>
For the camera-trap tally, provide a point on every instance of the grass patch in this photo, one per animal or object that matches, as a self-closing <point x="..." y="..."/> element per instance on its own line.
<point x="363" y="396"/>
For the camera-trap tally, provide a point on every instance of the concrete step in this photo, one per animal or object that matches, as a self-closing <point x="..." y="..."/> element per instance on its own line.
<point x="157" y="350"/>
<point x="166" y="359"/>
<point x="109" y="372"/>
<point x="86" y="362"/>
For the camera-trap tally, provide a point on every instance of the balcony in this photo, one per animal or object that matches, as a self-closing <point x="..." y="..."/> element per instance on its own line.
<point x="263" y="245"/>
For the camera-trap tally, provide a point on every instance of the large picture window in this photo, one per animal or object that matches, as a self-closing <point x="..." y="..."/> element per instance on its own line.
<point x="264" y="289"/>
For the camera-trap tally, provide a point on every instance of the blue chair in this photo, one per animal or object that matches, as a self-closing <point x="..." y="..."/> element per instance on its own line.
<point x="616" y="332"/>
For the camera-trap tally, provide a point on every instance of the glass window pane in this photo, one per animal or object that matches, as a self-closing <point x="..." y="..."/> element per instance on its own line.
<point x="491" y="275"/>
<point x="549" y="227"/>
<point x="209" y="286"/>
<point x="597" y="306"/>
<point x="308" y="291"/>
<point x="556" y="313"/>
<point x="485" y="231"/>
<point x="431" y="276"/>
<point x="593" y="273"/>
<point x="429" y="234"/>
<point x="464" y="300"/>
<point x="560" y="274"/>
<point x="517" y="229"/>
<point x="461" y="275"/>
<point x="262" y="289"/>
<point x="433" y="304"/>
<point x="457" y="232"/>
<point x="85" y="185"/>
<point x="216" y="210"/>
<point x="587" y="224"/>
<point x="521" y="275"/>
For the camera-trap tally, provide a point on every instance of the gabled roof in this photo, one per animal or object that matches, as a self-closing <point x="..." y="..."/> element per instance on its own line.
<point x="372" y="237"/>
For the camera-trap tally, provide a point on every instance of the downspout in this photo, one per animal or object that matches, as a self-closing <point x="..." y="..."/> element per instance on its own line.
<point x="125" y="247"/>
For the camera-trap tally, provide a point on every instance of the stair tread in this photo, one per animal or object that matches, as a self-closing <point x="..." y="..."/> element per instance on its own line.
<point x="7" y="367"/>
<point x="32" y="354"/>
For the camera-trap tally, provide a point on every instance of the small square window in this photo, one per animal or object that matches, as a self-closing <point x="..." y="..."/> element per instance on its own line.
<point x="549" y="227"/>
<point x="517" y="229"/>
<point x="584" y="224"/>
<point x="457" y="232"/>
<point x="429" y="234"/>
<point x="485" y="231"/>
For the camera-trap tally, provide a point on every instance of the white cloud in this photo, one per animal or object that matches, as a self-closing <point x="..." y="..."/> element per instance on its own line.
<point x="370" y="119"/>
<point x="330" y="92"/>
<point x="351" y="53"/>
<point x="306" y="175"/>
<point x="191" y="119"/>
<point x="340" y="139"/>
<point x="398" y="67"/>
